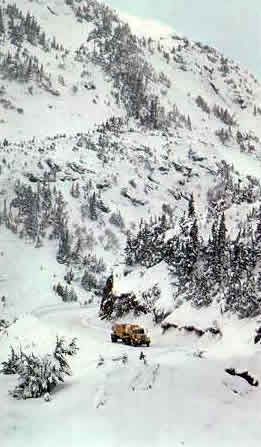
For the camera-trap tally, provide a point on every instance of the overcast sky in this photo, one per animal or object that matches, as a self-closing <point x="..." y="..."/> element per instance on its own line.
<point x="232" y="26"/>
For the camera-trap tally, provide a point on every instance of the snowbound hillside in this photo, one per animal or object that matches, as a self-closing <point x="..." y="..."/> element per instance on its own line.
<point x="76" y="188"/>
<point x="42" y="82"/>
<point x="130" y="191"/>
<point x="64" y="53"/>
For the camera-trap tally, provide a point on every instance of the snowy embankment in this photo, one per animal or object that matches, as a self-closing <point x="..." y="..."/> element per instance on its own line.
<point x="143" y="279"/>
<point x="27" y="275"/>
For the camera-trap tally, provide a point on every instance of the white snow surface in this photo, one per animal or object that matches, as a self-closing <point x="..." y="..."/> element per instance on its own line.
<point x="177" y="398"/>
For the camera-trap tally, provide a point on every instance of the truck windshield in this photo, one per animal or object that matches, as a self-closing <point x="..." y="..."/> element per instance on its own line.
<point x="139" y="331"/>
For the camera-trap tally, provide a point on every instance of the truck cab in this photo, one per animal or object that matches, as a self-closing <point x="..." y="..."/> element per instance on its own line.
<point x="130" y="334"/>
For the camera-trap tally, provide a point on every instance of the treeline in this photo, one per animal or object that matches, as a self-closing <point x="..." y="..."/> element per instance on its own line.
<point x="19" y="28"/>
<point x="222" y="268"/>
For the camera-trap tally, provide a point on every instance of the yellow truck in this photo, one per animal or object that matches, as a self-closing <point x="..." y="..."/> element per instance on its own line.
<point x="130" y="334"/>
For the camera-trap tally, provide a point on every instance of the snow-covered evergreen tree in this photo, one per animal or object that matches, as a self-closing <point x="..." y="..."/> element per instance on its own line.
<point x="2" y="25"/>
<point x="12" y="364"/>
<point x="40" y="375"/>
<point x="242" y="297"/>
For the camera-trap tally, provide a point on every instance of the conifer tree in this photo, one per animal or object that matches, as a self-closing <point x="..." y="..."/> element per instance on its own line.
<point x="64" y="249"/>
<point x="2" y="25"/>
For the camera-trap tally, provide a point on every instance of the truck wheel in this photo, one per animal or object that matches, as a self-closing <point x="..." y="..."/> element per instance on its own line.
<point x="114" y="338"/>
<point x="148" y="344"/>
<point x="127" y="341"/>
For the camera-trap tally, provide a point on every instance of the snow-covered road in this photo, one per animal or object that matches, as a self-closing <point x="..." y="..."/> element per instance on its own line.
<point x="176" y="399"/>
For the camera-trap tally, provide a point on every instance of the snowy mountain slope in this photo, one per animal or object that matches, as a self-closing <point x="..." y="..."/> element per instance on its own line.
<point x="187" y="123"/>
<point x="138" y="157"/>
<point x="163" y="170"/>
<point x="65" y="96"/>
<point x="160" y="174"/>
<point x="25" y="270"/>
<point x="70" y="69"/>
